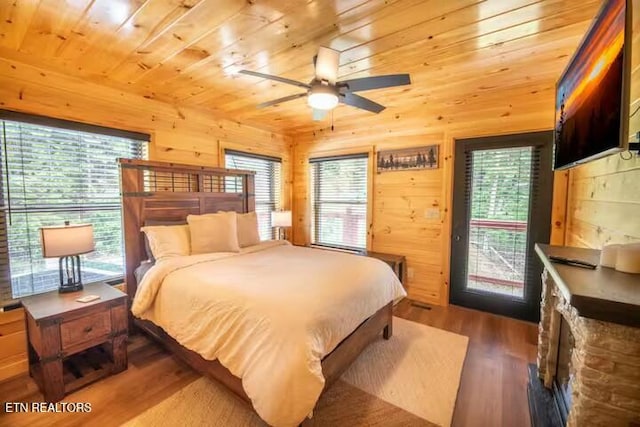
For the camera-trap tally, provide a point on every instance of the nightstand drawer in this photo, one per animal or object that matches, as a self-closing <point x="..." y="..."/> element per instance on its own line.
<point x="85" y="329"/>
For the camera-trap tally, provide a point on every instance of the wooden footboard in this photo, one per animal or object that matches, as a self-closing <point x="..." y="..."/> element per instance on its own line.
<point x="333" y="365"/>
<point x="336" y="362"/>
<point x="210" y="368"/>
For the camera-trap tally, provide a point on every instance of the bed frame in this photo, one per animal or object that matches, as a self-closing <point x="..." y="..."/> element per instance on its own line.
<point x="156" y="191"/>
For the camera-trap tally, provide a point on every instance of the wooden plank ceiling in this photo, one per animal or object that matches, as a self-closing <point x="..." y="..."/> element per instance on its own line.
<point x="188" y="52"/>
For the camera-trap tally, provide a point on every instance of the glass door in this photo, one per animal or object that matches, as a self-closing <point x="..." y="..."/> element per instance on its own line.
<point x="502" y="207"/>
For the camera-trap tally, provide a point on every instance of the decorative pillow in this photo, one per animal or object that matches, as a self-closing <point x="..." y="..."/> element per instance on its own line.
<point x="248" y="234"/>
<point x="213" y="233"/>
<point x="166" y="241"/>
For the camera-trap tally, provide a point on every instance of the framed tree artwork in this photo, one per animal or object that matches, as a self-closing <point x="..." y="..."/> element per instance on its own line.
<point x="408" y="159"/>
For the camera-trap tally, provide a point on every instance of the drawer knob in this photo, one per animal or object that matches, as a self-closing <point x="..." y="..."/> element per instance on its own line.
<point x="88" y="329"/>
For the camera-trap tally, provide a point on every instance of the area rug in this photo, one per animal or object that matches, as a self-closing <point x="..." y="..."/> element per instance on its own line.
<point x="410" y="380"/>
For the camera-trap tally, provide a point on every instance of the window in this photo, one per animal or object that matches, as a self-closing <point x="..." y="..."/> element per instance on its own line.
<point x="268" y="184"/>
<point x="499" y="196"/>
<point x="339" y="201"/>
<point x="53" y="173"/>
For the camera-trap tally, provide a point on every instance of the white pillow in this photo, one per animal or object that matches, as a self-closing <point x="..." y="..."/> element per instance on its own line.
<point x="213" y="233"/>
<point x="167" y="241"/>
<point x="248" y="234"/>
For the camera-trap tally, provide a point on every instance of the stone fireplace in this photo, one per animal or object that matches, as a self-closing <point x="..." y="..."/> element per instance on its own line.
<point x="588" y="357"/>
<point x="563" y="376"/>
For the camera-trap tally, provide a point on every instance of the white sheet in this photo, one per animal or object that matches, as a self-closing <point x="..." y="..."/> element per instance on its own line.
<point x="269" y="314"/>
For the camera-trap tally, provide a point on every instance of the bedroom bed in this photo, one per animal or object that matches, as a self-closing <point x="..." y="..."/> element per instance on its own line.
<point x="287" y="320"/>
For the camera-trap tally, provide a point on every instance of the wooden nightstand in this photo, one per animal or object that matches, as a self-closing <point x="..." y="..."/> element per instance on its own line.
<point x="72" y="344"/>
<point x="398" y="263"/>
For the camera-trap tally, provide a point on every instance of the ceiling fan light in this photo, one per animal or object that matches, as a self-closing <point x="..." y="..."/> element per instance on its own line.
<point x="323" y="100"/>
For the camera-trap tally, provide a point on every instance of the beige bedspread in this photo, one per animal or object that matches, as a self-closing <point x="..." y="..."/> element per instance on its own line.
<point x="269" y="314"/>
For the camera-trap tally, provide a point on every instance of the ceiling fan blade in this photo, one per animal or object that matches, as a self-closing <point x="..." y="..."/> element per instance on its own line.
<point x="319" y="114"/>
<point x="376" y="82"/>
<point x="326" y="63"/>
<point x="361" y="102"/>
<point x="281" y="100"/>
<point x="276" y="78"/>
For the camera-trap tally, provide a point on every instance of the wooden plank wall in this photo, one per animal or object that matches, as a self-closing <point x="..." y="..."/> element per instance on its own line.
<point x="185" y="135"/>
<point x="410" y="209"/>
<point x="604" y="202"/>
<point x="593" y="204"/>
<point x="177" y="134"/>
<point x="13" y="344"/>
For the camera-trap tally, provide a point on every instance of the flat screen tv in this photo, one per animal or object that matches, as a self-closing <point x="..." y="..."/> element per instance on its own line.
<point x="592" y="96"/>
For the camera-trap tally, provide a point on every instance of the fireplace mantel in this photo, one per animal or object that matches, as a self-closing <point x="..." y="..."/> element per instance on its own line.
<point x="602" y="309"/>
<point x="602" y="294"/>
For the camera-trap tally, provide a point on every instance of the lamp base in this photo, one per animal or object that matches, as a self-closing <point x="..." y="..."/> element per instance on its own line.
<point x="70" y="277"/>
<point x="67" y="288"/>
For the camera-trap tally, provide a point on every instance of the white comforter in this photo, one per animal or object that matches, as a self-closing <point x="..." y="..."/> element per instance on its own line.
<point x="269" y="314"/>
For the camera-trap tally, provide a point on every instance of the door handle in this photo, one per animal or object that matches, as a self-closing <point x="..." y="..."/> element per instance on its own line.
<point x="457" y="238"/>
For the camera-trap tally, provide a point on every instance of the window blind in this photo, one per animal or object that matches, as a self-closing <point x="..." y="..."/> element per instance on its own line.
<point x="55" y="174"/>
<point x="268" y="185"/>
<point x="339" y="201"/>
<point x="500" y="189"/>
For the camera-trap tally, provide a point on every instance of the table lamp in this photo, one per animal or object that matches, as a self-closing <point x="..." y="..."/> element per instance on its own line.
<point x="281" y="219"/>
<point x="68" y="242"/>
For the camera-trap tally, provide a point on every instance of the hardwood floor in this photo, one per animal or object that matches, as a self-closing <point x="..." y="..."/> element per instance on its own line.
<point x="492" y="391"/>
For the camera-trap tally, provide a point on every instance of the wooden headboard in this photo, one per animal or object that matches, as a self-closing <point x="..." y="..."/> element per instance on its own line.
<point x="158" y="191"/>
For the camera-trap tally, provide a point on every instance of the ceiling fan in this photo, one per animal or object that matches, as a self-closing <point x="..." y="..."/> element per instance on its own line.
<point x="324" y="92"/>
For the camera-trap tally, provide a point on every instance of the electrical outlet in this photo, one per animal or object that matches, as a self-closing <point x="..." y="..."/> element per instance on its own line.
<point x="410" y="273"/>
<point x="432" y="213"/>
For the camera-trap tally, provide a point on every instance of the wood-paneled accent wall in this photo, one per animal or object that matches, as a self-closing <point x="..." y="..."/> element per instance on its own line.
<point x="178" y="134"/>
<point x="604" y="202"/>
<point x="410" y="210"/>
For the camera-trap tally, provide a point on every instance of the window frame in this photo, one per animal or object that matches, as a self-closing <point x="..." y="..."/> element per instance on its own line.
<point x="7" y="297"/>
<point x="343" y="154"/>
<point x="224" y="150"/>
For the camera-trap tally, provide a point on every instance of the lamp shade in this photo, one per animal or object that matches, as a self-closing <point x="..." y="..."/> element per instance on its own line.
<point x="281" y="218"/>
<point x="67" y="240"/>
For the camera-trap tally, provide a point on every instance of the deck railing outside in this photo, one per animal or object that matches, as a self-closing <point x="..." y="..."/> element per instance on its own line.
<point x="497" y="255"/>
